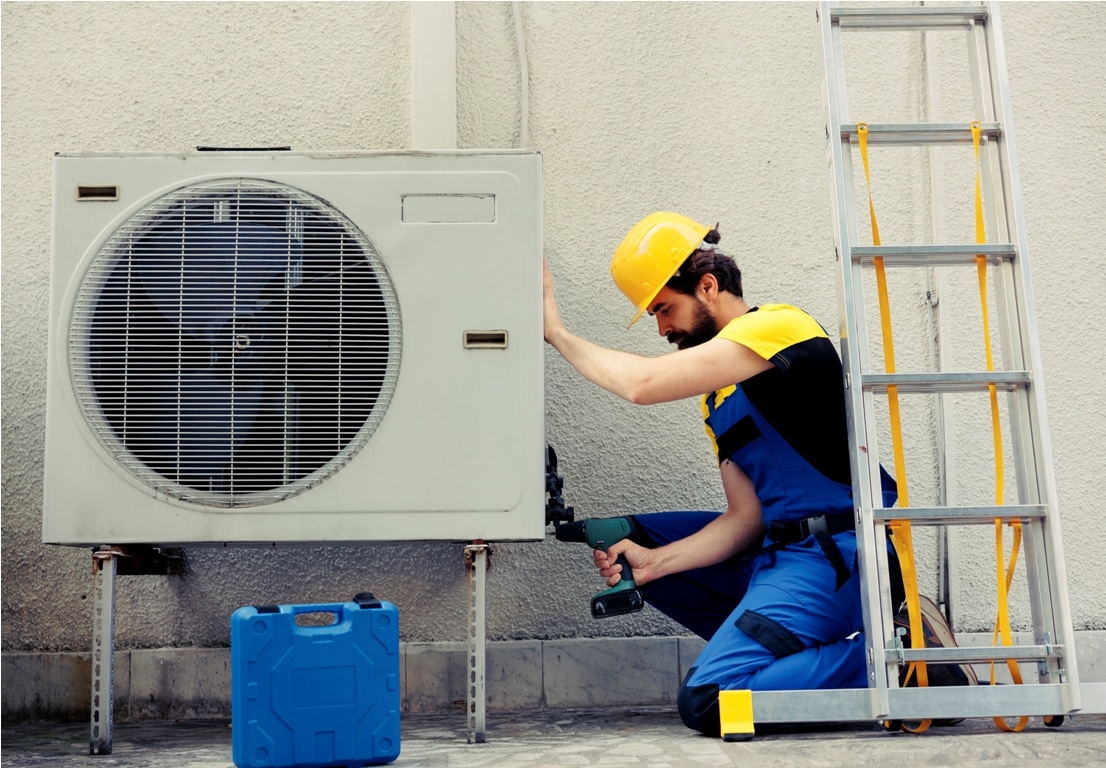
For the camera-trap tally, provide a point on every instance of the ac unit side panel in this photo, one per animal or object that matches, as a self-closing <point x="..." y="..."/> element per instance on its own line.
<point x="459" y="451"/>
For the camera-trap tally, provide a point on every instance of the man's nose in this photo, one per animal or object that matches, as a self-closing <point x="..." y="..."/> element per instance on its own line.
<point x="663" y="326"/>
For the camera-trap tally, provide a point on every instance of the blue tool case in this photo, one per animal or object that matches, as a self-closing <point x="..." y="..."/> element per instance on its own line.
<point x="313" y="694"/>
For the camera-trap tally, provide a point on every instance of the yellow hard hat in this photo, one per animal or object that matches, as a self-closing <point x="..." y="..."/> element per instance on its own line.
<point x="651" y="253"/>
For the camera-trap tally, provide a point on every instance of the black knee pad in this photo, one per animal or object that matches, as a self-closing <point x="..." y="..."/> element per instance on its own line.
<point x="774" y="636"/>
<point x="698" y="706"/>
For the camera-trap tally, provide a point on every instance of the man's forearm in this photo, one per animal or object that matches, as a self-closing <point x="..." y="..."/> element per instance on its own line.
<point x="622" y="373"/>
<point x="719" y="540"/>
<point x="739" y="527"/>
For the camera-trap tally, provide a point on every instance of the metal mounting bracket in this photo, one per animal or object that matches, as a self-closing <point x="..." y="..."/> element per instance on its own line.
<point x="477" y="556"/>
<point x="107" y="563"/>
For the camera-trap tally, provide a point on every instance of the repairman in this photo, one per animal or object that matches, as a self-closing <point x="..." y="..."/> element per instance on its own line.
<point x="771" y="583"/>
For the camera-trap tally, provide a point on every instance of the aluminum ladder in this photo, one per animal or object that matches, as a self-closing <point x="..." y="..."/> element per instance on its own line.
<point x="1058" y="691"/>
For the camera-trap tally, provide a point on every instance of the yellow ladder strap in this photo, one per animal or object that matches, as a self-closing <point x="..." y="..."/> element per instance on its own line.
<point x="981" y="272"/>
<point x="900" y="529"/>
<point x="1003" y="581"/>
<point x="1003" y="624"/>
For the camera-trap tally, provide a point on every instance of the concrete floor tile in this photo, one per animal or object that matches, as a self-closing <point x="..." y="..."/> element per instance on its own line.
<point x="648" y="737"/>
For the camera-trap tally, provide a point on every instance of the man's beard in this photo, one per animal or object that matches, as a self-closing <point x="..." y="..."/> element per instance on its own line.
<point x="703" y="329"/>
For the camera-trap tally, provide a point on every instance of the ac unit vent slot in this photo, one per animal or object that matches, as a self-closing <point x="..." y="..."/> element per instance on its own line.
<point x="485" y="340"/>
<point x="93" y="194"/>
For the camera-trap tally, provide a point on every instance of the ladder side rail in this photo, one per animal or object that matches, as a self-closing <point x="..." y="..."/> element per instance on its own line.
<point x="872" y="537"/>
<point x="853" y="704"/>
<point x="1045" y="621"/>
<point x="853" y="348"/>
<point x="1013" y="334"/>
<point x="1053" y="543"/>
<point x="1028" y="481"/>
<point x="880" y="611"/>
<point x="1035" y="542"/>
<point x="977" y="701"/>
<point x="879" y="588"/>
<point x="999" y="214"/>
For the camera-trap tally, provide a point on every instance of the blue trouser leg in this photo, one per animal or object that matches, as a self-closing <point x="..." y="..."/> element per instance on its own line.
<point x="788" y="632"/>
<point x="700" y="599"/>
<point x="774" y="622"/>
<point x="793" y="610"/>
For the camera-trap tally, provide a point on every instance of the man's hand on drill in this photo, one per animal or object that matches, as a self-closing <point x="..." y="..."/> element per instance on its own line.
<point x="639" y="558"/>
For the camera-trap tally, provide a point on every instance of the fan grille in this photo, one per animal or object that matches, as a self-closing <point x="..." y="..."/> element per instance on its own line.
<point x="235" y="343"/>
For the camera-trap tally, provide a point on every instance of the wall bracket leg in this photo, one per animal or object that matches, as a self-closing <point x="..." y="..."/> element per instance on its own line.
<point x="104" y="567"/>
<point x="476" y="561"/>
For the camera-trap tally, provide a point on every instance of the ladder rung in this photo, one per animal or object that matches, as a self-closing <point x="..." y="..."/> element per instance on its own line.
<point x="959" y="515"/>
<point x="935" y="383"/>
<point x="974" y="655"/>
<point x="920" y="134"/>
<point x="909" y="17"/>
<point x="932" y="255"/>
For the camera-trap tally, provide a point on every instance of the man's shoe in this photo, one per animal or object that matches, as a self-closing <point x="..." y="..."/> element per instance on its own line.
<point x="937" y="634"/>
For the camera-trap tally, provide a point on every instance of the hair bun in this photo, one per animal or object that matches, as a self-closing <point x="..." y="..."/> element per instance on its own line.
<point x="713" y="237"/>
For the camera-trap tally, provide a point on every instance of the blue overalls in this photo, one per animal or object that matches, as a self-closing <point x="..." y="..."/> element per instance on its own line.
<point x="786" y="617"/>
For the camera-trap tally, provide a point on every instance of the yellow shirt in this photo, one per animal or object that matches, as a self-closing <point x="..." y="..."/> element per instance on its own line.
<point x="776" y="332"/>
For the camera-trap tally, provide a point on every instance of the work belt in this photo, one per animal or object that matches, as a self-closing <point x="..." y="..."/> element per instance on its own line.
<point x="822" y="528"/>
<point x="793" y="531"/>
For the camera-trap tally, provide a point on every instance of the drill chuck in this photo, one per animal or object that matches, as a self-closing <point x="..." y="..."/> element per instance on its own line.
<point x="571" y="532"/>
<point x="597" y="532"/>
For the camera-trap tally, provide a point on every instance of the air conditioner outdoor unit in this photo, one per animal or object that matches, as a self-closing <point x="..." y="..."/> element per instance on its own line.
<point x="266" y="347"/>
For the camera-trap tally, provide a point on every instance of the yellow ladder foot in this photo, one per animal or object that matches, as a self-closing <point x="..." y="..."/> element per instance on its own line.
<point x="735" y="710"/>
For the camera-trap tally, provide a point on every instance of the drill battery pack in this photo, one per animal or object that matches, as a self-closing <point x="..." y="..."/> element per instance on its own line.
<point x="315" y="685"/>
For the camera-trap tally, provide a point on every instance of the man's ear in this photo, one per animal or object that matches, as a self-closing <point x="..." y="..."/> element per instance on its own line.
<point x="708" y="284"/>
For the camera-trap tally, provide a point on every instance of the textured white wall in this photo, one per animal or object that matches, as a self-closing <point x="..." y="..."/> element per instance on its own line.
<point x="710" y="109"/>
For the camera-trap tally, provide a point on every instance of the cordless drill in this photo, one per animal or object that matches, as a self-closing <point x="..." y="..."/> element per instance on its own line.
<point x="601" y="533"/>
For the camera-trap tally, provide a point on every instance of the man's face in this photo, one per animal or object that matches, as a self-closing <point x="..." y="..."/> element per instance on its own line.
<point x="682" y="319"/>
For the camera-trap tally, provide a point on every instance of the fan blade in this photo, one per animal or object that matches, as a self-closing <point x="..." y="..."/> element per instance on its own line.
<point x="201" y="276"/>
<point x="194" y="424"/>
<point x="132" y="346"/>
<point x="335" y="329"/>
<point x="333" y="336"/>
